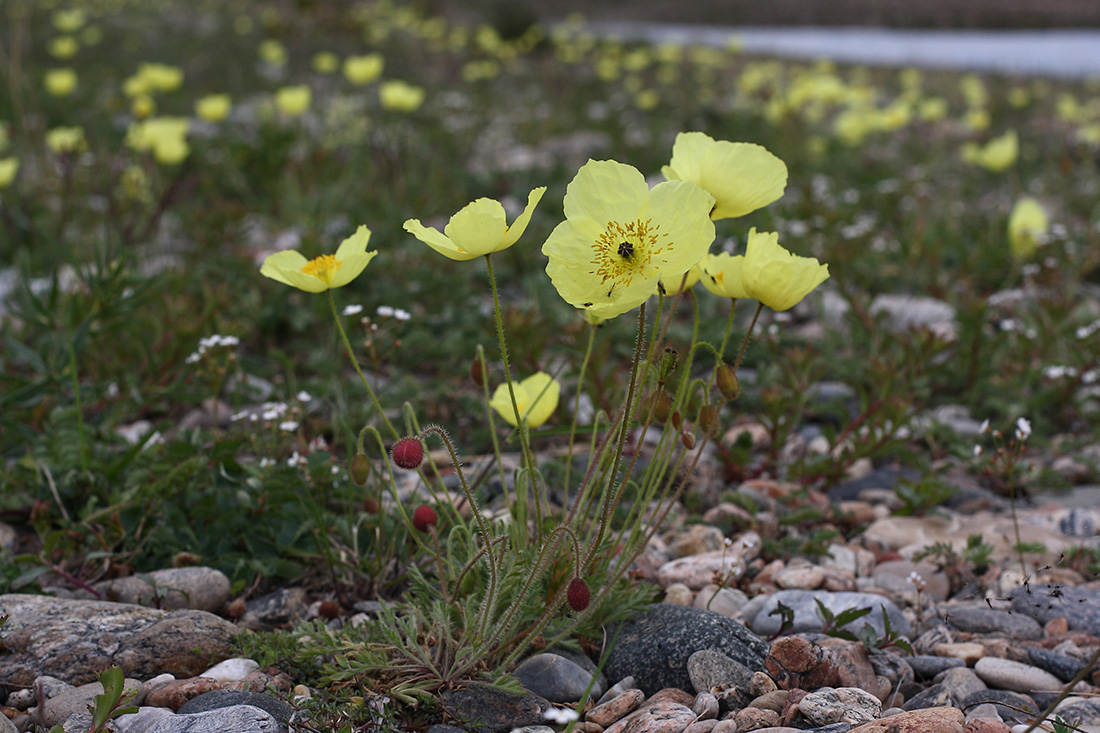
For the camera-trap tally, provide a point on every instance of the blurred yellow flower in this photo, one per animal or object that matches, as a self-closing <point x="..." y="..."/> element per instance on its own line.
<point x="1027" y="225"/>
<point x="63" y="47"/>
<point x="293" y="101"/>
<point x="619" y="237"/>
<point x="722" y="275"/>
<point x="8" y="168"/>
<point x="479" y="228"/>
<point x="741" y="177"/>
<point x="166" y="137"/>
<point x="363" y="69"/>
<point x="401" y="96"/>
<point x="65" y="139"/>
<point x="325" y="272"/>
<point x="143" y="106"/>
<point x="774" y="276"/>
<point x="998" y="155"/>
<point x="151" y="78"/>
<point x="536" y="397"/>
<point x="272" y="52"/>
<point x="213" y="107"/>
<point x="60" y="82"/>
<point x="932" y="109"/>
<point x="68" y="21"/>
<point x="325" y="62"/>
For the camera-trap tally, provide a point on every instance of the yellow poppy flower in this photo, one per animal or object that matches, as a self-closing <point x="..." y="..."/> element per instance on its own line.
<point x="479" y="228"/>
<point x="681" y="283"/>
<point x="774" y="276"/>
<point x="325" y="62"/>
<point x="65" y="139"/>
<point x="60" y="82"/>
<point x="400" y="96"/>
<point x="166" y="137"/>
<point x="536" y="397"/>
<point x="619" y="238"/>
<point x="8" y="168"/>
<point x="998" y="155"/>
<point x="325" y="272"/>
<point x="1027" y="224"/>
<point x="722" y="275"/>
<point x="363" y="69"/>
<point x="741" y="177"/>
<point x="293" y="101"/>
<point x="213" y="107"/>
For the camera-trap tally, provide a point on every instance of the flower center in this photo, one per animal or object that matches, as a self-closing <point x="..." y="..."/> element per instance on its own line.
<point x="322" y="268"/>
<point x="625" y="251"/>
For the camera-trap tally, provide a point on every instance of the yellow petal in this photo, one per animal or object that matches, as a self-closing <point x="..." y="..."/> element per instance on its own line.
<point x="519" y="226"/>
<point x="682" y="211"/>
<point x="774" y="276"/>
<point x="536" y="397"/>
<point x="1026" y="225"/>
<point x="435" y="239"/>
<point x="286" y="267"/>
<point x="722" y="275"/>
<point x="742" y="177"/>
<point x="603" y="191"/>
<point x="353" y="256"/>
<point x="478" y="227"/>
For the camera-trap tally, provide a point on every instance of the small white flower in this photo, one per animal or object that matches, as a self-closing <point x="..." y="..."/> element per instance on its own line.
<point x="288" y="426"/>
<point x="238" y="416"/>
<point x="296" y="460"/>
<point x="978" y="451"/>
<point x="1029" y="270"/>
<point x="401" y="314"/>
<point x="1023" y="428"/>
<point x="916" y="579"/>
<point x="560" y="715"/>
<point x="351" y="310"/>
<point x="984" y="428"/>
<point x="266" y="462"/>
<point x="385" y="311"/>
<point x="194" y="358"/>
<point x="304" y="396"/>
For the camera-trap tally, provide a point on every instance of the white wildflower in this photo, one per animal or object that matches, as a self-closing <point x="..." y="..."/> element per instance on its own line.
<point x="288" y="426"/>
<point x="401" y="314"/>
<point x="978" y="450"/>
<point x="984" y="428"/>
<point x="296" y="460"/>
<point x="351" y="310"/>
<point x="304" y="396"/>
<point x="1023" y="428"/>
<point x="385" y="311"/>
<point x="560" y="715"/>
<point x="267" y="462"/>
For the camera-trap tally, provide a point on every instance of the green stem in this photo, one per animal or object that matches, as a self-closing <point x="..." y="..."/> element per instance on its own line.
<point x="355" y="363"/>
<point x="521" y="424"/>
<point x="729" y="329"/>
<point x="576" y="412"/>
<point x="748" y="335"/>
<point x="79" y="404"/>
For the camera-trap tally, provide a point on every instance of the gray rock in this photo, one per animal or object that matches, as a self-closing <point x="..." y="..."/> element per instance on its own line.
<point x="1080" y="606"/>
<point x="1007" y="674"/>
<point x="81" y="723"/>
<point x="142" y="720"/>
<point x="961" y="683"/>
<point x="72" y="639"/>
<point x="201" y="588"/>
<point x="1011" y="706"/>
<point x="841" y="727"/>
<point x="556" y="678"/>
<point x="239" y="719"/>
<point x="841" y="705"/>
<point x="485" y="709"/>
<point x="886" y="477"/>
<point x="708" y="669"/>
<point x="1062" y="666"/>
<point x="932" y="697"/>
<point x="74" y="700"/>
<point x="979" y="618"/>
<point x="217" y="699"/>
<point x="807" y="619"/>
<point x="278" y="609"/>
<point x="655" y="645"/>
<point x="8" y="537"/>
<point x="926" y="666"/>
<point x="626" y="683"/>
<point x="6" y="726"/>
<point x="1087" y="711"/>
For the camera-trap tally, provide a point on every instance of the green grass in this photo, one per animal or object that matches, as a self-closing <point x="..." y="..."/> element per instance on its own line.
<point x="119" y="266"/>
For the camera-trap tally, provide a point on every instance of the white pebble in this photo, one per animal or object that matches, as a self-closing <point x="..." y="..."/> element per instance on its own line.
<point x="231" y="670"/>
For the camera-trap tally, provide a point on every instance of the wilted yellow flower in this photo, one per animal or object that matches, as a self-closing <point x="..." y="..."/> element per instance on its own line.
<point x="479" y="228"/>
<point x="60" y="82"/>
<point x="166" y="137"/>
<point x="325" y="62"/>
<point x="8" y="168"/>
<point x="1027" y="224"/>
<point x="998" y="155"/>
<point x="325" y="272"/>
<point x="363" y="69"/>
<point x="741" y="177"/>
<point x="774" y="276"/>
<point x="272" y="52"/>
<point x="536" y="397"/>
<point x="722" y="275"/>
<point x="401" y="96"/>
<point x="65" y="139"/>
<point x="68" y="21"/>
<point x="619" y="238"/>
<point x="213" y="107"/>
<point x="293" y="101"/>
<point x="63" y="47"/>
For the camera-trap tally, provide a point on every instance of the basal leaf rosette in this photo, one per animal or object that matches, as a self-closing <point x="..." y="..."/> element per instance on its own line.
<point x="742" y="177"/>
<point x="619" y="238"/>
<point x="774" y="276"/>
<point x="325" y="272"/>
<point x="536" y="397"/>
<point x="479" y="228"/>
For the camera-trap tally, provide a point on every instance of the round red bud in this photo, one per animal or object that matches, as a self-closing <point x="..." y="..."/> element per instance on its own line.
<point x="408" y="453"/>
<point x="424" y="517"/>
<point x="578" y="595"/>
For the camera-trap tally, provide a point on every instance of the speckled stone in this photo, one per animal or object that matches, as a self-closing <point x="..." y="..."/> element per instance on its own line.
<point x="661" y="717"/>
<point x="930" y="720"/>
<point x="1016" y="676"/>
<point x="618" y="707"/>
<point x="926" y="666"/>
<point x="840" y="705"/>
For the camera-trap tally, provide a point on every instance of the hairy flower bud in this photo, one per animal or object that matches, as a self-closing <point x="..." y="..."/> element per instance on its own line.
<point x="688" y="440"/>
<point x="728" y="383"/>
<point x="359" y="468"/>
<point x="666" y="366"/>
<point x="424" y="517"/>
<point x="578" y="595"/>
<point x="661" y="404"/>
<point x="708" y="419"/>
<point x="408" y="453"/>
<point x="477" y="372"/>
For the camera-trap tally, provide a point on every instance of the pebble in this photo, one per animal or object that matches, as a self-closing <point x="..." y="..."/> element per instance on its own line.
<point x="968" y="652"/>
<point x="627" y="683"/>
<point x="659" y="717"/>
<point x="705" y="706"/>
<point x="196" y="587"/>
<point x="231" y="670"/>
<point x="796" y="662"/>
<point x="697" y="571"/>
<point x="1013" y="707"/>
<point x="905" y="577"/>
<point x="708" y="669"/>
<point x="840" y="705"/>
<point x="556" y="678"/>
<point x="695" y="540"/>
<point x="70" y="700"/>
<point x="494" y="709"/>
<point x="218" y="699"/>
<point x="978" y="618"/>
<point x="929" y="720"/>
<point x="175" y="693"/>
<point x="751" y="719"/>
<point x="961" y="683"/>
<point x="927" y="666"/>
<point x="806" y="578"/>
<point x="679" y="594"/>
<point x="987" y="725"/>
<point x="1009" y="675"/>
<point x="726" y="601"/>
<point x="1085" y="710"/>
<point x="618" y="707"/>
<point x="1062" y="666"/>
<point x="807" y="618"/>
<point x="1079" y="606"/>
<point x="239" y="719"/>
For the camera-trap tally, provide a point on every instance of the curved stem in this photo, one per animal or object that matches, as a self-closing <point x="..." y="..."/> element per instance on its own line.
<point x="576" y="412"/>
<point x="748" y="335"/>
<point x="355" y="363"/>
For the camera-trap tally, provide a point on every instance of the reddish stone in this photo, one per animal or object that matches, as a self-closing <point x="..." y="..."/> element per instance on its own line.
<point x="794" y="661"/>
<point x="616" y="708"/>
<point x="175" y="693"/>
<point x="987" y="725"/>
<point x="928" y="720"/>
<point x="672" y="694"/>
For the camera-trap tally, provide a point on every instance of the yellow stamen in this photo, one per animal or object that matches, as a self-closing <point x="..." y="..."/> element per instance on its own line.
<point x="625" y="250"/>
<point x="322" y="268"/>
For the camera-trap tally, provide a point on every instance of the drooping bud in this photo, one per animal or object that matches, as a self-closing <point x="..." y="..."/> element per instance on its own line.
<point x="477" y="372"/>
<point x="677" y="419"/>
<point x="708" y="419"/>
<point x="666" y="366"/>
<point x="359" y="469"/>
<point x="408" y="452"/>
<point x="728" y="383"/>
<point x="688" y="440"/>
<point x="578" y="594"/>
<point x="661" y="405"/>
<point x="424" y="517"/>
